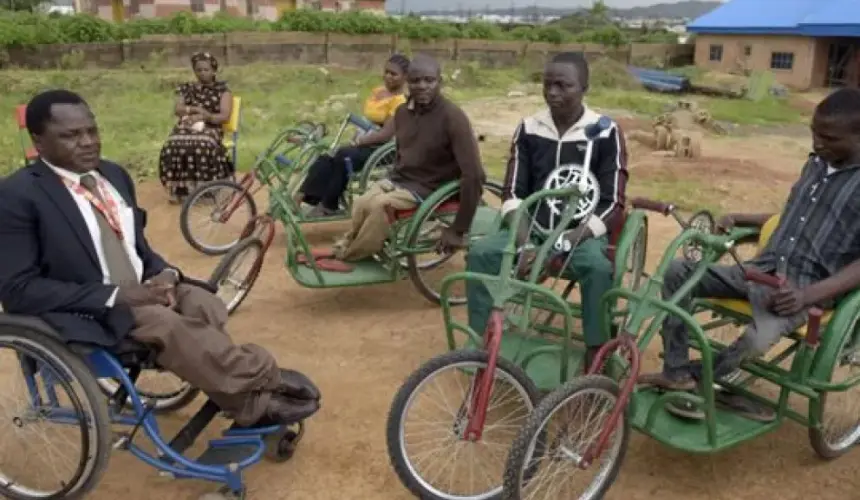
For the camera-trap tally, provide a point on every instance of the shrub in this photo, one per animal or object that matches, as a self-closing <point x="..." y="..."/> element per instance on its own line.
<point x="21" y="29"/>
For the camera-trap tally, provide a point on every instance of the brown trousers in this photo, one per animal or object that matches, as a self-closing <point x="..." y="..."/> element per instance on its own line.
<point x="194" y="345"/>
<point x="370" y="220"/>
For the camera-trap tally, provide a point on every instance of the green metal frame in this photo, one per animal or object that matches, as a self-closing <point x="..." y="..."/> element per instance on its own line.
<point x="284" y="164"/>
<point x="389" y="267"/>
<point x="505" y="288"/>
<point x="809" y="375"/>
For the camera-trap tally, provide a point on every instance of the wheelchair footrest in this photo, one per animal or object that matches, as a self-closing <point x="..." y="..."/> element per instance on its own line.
<point x="227" y="454"/>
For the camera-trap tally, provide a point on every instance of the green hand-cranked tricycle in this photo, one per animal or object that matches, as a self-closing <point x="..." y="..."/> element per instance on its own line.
<point x="214" y="215"/>
<point x="488" y="384"/>
<point x="584" y="425"/>
<point x="410" y="250"/>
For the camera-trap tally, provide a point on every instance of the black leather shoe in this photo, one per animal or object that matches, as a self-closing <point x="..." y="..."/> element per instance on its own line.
<point x="285" y="410"/>
<point x="296" y="385"/>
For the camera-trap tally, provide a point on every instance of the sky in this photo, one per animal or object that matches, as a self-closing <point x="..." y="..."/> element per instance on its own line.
<point x="495" y="4"/>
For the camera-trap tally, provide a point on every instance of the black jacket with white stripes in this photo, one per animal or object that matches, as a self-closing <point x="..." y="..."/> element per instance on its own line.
<point x="537" y="151"/>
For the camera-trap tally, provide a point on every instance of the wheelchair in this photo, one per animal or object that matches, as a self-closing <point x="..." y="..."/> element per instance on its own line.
<point x="214" y="214"/>
<point x="65" y="385"/>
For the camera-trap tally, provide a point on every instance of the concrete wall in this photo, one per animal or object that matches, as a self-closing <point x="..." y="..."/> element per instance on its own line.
<point x="318" y="48"/>
<point x="118" y="10"/>
<point x="810" y="57"/>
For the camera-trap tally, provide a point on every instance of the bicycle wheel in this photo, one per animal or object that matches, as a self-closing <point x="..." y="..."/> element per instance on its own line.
<point x="541" y="475"/>
<point x="164" y="390"/>
<point x="237" y="272"/>
<point x="467" y="470"/>
<point x="214" y="215"/>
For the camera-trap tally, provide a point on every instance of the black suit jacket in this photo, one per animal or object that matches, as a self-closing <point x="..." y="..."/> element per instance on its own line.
<point x="48" y="262"/>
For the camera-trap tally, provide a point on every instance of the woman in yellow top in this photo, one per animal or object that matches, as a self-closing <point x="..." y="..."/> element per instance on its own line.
<point x="328" y="177"/>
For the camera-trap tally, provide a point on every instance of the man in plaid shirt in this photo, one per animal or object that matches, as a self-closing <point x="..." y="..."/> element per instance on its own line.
<point x="816" y="246"/>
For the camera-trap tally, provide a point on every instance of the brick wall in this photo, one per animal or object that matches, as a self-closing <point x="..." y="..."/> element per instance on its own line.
<point x="736" y="53"/>
<point x="320" y="48"/>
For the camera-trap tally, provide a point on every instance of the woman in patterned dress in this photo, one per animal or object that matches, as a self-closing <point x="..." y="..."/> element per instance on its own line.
<point x="194" y="152"/>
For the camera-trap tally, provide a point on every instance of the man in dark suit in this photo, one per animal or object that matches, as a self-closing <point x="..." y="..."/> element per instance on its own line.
<point x="73" y="252"/>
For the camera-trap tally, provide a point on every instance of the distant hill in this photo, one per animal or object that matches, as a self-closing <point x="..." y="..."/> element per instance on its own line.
<point x="690" y="9"/>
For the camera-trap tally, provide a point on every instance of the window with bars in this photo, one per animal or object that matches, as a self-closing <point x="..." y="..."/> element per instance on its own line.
<point x="198" y="6"/>
<point x="782" y="60"/>
<point x="715" y="53"/>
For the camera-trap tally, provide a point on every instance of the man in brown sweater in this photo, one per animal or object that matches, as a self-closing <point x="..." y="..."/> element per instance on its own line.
<point x="435" y="145"/>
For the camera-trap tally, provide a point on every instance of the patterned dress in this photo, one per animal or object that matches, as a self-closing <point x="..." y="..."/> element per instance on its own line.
<point x="190" y="157"/>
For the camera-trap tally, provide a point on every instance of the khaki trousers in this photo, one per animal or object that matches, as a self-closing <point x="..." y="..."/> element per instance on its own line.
<point x="194" y="345"/>
<point x="370" y="220"/>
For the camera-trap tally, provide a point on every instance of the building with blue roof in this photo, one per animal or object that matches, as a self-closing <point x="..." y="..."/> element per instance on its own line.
<point x="805" y="43"/>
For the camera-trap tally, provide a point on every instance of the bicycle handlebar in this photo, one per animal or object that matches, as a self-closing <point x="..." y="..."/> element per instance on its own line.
<point x="361" y="122"/>
<point x="765" y="279"/>
<point x="653" y="205"/>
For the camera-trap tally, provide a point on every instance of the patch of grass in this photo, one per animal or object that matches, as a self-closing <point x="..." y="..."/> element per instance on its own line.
<point x="134" y="106"/>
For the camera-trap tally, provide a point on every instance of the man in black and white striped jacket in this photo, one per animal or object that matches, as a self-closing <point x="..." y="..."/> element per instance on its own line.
<point x="543" y="147"/>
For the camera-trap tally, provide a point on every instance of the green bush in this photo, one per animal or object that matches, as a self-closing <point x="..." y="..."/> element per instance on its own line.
<point x="22" y="29"/>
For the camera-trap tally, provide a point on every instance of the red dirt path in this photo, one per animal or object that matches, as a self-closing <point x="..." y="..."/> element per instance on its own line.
<point x="359" y="345"/>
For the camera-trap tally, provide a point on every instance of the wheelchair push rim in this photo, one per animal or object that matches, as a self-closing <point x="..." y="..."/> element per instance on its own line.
<point x="427" y="235"/>
<point x="214" y="215"/>
<point x="840" y="429"/>
<point x="46" y="366"/>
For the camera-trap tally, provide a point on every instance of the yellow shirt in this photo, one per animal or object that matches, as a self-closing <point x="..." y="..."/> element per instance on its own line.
<point x="377" y="109"/>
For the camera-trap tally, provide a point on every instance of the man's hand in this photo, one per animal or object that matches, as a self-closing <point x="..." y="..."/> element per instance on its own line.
<point x="450" y="241"/>
<point x="142" y="295"/>
<point x="569" y="240"/>
<point x="788" y="300"/>
<point x="526" y="261"/>
<point x="164" y="283"/>
<point x="726" y="223"/>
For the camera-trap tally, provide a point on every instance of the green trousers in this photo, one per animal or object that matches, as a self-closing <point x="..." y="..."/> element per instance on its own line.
<point x="588" y="263"/>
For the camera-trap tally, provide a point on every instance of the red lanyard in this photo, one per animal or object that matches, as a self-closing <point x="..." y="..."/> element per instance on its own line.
<point x="110" y="211"/>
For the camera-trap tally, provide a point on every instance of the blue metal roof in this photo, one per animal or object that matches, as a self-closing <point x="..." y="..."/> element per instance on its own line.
<point x="814" y="18"/>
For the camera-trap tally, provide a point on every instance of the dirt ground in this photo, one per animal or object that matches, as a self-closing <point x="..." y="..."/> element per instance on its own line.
<point x="359" y="344"/>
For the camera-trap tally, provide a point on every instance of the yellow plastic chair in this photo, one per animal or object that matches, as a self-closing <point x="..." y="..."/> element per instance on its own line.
<point x="231" y="129"/>
<point x="742" y="306"/>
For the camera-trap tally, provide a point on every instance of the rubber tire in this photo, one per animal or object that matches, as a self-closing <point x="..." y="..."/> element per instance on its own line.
<point x="193" y="197"/>
<point x="816" y="437"/>
<point x="188" y="396"/>
<point x="224" y="267"/>
<point x="535" y="422"/>
<point x="495" y="188"/>
<point x="89" y="391"/>
<point x="395" y="414"/>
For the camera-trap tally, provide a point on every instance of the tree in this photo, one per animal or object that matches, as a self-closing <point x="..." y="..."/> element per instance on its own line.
<point x="598" y="14"/>
<point x="25" y="5"/>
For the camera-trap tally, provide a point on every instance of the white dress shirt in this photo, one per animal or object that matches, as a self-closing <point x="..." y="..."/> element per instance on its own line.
<point x="126" y="222"/>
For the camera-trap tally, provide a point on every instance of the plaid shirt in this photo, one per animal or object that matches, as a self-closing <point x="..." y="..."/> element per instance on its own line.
<point x="819" y="229"/>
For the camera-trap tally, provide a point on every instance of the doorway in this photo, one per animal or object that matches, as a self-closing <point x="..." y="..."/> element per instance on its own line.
<point x="843" y="64"/>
